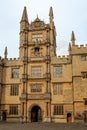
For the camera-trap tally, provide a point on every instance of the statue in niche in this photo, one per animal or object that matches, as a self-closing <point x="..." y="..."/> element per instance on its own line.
<point x="36" y="51"/>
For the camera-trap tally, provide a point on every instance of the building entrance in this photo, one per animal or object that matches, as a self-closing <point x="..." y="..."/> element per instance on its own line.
<point x="85" y="117"/>
<point x="69" y="117"/>
<point x="36" y="114"/>
<point x="4" y="115"/>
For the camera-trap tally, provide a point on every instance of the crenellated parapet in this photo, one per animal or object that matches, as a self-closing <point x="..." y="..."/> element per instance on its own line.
<point x="12" y="62"/>
<point x="79" y="49"/>
<point x="61" y="60"/>
<point x="13" y="59"/>
<point x="9" y="59"/>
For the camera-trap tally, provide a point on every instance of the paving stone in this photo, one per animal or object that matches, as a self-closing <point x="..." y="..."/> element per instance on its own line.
<point x="42" y="126"/>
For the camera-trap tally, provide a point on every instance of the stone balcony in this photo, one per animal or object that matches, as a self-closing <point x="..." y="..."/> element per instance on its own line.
<point x="36" y="59"/>
<point x="46" y="76"/>
<point x="25" y="96"/>
<point x="46" y="96"/>
<point x="44" y="42"/>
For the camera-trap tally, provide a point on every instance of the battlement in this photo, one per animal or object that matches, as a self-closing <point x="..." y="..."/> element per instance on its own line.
<point x="79" y="49"/>
<point x="64" y="59"/>
<point x="80" y="46"/>
<point x="12" y="59"/>
<point x="12" y="62"/>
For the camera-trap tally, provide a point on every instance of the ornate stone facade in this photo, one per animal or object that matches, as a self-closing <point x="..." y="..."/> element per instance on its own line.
<point x="39" y="85"/>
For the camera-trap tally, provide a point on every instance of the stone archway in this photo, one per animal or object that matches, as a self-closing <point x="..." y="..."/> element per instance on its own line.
<point x="4" y="115"/>
<point x="69" y="117"/>
<point x="85" y="116"/>
<point x="36" y="115"/>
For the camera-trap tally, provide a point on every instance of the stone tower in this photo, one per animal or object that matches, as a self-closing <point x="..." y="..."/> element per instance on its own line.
<point x="37" y="46"/>
<point x="40" y="86"/>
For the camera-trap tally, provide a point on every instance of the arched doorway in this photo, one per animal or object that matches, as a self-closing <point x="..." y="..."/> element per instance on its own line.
<point x="85" y="117"/>
<point x="36" y="114"/>
<point x="4" y="115"/>
<point x="69" y="117"/>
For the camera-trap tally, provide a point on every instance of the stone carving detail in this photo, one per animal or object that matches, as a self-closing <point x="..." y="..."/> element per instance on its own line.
<point x="37" y="23"/>
<point x="36" y="51"/>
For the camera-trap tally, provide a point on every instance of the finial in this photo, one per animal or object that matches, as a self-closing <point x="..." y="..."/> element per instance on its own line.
<point x="69" y="46"/>
<point x="51" y="12"/>
<point x="37" y="19"/>
<point x="73" y="38"/>
<point x="37" y="15"/>
<point x="5" y="53"/>
<point x="24" y="16"/>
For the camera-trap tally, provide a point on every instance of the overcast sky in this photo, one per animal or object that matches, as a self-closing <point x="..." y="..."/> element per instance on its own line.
<point x="68" y="15"/>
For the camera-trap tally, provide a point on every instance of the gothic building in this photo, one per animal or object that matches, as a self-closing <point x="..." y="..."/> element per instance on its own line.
<point x="39" y="85"/>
